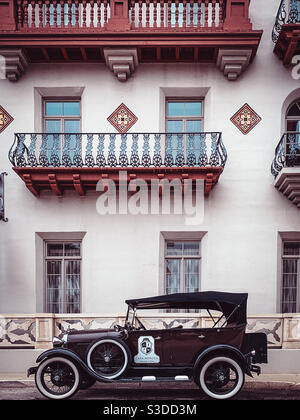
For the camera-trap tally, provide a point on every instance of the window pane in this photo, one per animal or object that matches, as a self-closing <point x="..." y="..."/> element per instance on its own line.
<point x="175" y="108"/>
<point x="289" y="285"/>
<point x="175" y="126"/>
<point x="294" y="111"/>
<point x="174" y="248"/>
<point x="191" y="272"/>
<point x="191" y="248"/>
<point x="173" y="276"/>
<point x="55" y="250"/>
<point x="72" y="249"/>
<point x="193" y="126"/>
<point x="291" y="248"/>
<point x="54" y="108"/>
<point x="54" y="286"/>
<point x="71" y="108"/>
<point x="72" y="126"/>
<point x="72" y="286"/>
<point x="193" y="108"/>
<point x="53" y="126"/>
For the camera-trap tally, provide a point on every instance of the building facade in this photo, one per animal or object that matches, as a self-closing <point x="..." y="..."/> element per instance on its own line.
<point x="107" y="108"/>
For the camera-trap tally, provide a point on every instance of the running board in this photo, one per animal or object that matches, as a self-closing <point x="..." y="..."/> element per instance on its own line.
<point x="154" y="378"/>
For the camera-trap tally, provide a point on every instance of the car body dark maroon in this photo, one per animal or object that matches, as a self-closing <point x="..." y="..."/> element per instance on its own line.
<point x="216" y="358"/>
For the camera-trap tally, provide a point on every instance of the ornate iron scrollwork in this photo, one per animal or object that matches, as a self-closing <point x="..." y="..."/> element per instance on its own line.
<point x="2" y="212"/>
<point x="134" y="158"/>
<point x="288" y="12"/>
<point x="146" y="160"/>
<point x="157" y="160"/>
<point x="280" y="157"/>
<point x="100" y="159"/>
<point x="77" y="160"/>
<point x="147" y="149"/>
<point x="169" y="161"/>
<point x="123" y="160"/>
<point x="89" y="159"/>
<point x="112" y="160"/>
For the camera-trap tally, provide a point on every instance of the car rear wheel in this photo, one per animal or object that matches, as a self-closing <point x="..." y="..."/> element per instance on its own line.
<point x="108" y="358"/>
<point x="221" y="377"/>
<point x="57" y="378"/>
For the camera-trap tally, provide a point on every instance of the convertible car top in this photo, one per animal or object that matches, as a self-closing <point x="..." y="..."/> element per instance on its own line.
<point x="232" y="305"/>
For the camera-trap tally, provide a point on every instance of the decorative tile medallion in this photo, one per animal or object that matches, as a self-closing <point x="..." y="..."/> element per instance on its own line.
<point x="5" y="119"/>
<point x="122" y="119"/>
<point x="245" y="119"/>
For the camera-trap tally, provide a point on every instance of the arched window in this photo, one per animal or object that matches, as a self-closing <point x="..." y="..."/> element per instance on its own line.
<point x="293" y="117"/>
<point x="292" y="136"/>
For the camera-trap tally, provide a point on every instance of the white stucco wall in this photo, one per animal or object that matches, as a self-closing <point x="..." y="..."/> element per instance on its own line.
<point x="121" y="254"/>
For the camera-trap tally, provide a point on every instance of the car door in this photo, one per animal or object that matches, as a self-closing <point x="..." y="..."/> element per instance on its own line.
<point x="181" y="346"/>
<point x="146" y="347"/>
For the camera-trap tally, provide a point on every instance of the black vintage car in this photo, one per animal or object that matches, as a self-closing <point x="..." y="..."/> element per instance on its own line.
<point x="216" y="358"/>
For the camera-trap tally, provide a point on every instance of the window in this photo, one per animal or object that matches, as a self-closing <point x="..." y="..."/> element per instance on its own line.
<point x="183" y="116"/>
<point x="61" y="117"/>
<point x="63" y="277"/>
<point x="182" y="266"/>
<point x="293" y="134"/>
<point x="290" y="293"/>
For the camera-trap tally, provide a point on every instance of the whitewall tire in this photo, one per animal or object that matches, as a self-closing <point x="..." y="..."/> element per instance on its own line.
<point x="57" y="378"/>
<point x="221" y="377"/>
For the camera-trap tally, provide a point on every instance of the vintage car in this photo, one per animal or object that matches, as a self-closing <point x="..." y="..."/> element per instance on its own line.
<point x="215" y="358"/>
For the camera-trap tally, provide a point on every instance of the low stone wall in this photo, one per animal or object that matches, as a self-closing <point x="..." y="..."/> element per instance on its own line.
<point x="37" y="330"/>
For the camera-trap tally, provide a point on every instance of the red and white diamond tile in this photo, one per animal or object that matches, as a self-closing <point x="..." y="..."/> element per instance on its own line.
<point x="245" y="119"/>
<point x="5" y="119"/>
<point x="122" y="118"/>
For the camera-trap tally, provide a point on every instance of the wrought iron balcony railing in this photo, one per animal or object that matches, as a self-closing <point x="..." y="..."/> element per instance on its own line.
<point x="287" y="152"/>
<point x="62" y="150"/>
<point x="288" y="12"/>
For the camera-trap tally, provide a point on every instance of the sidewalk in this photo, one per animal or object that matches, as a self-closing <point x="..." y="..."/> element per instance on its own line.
<point x="284" y="380"/>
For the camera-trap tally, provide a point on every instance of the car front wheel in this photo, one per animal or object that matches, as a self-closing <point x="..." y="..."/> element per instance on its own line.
<point x="57" y="378"/>
<point x="221" y="377"/>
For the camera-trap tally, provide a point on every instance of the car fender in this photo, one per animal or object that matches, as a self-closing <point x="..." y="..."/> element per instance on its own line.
<point x="223" y="349"/>
<point x="74" y="357"/>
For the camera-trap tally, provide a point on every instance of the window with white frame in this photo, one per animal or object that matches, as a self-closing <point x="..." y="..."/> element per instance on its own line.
<point x="63" y="277"/>
<point x="182" y="266"/>
<point x="290" y="285"/>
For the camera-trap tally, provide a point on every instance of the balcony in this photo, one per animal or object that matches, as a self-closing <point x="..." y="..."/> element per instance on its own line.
<point x="286" y="31"/>
<point x="60" y="161"/>
<point x="286" y="166"/>
<point x="124" y="33"/>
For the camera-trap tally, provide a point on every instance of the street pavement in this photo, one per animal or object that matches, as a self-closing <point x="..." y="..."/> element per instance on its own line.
<point x="263" y="387"/>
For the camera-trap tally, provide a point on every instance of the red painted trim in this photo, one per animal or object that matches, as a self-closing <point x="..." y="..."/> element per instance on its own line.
<point x="81" y="179"/>
<point x="288" y="43"/>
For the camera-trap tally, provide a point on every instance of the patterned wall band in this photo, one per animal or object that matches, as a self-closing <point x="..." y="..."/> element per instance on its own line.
<point x="25" y="331"/>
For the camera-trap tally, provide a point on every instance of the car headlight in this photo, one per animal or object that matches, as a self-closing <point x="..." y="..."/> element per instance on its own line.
<point x="65" y="338"/>
<point x="57" y="342"/>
